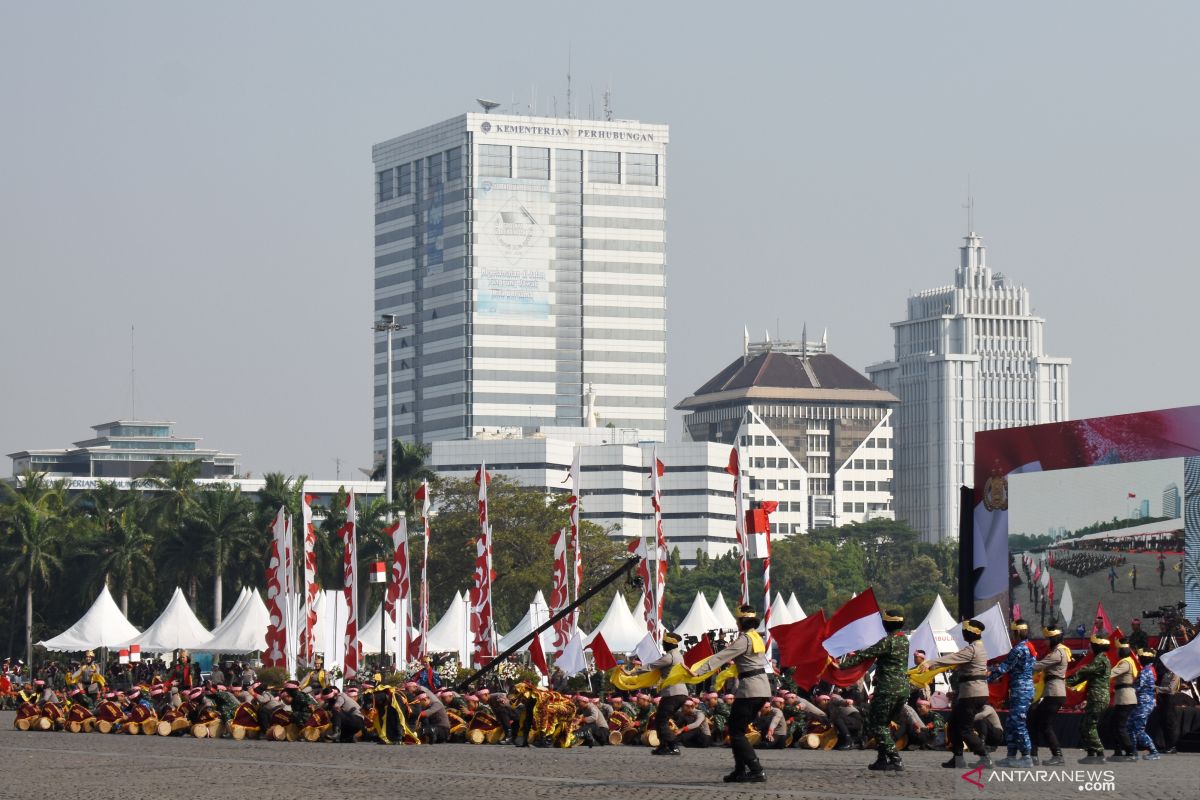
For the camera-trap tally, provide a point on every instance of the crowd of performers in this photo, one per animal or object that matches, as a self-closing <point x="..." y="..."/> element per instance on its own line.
<point x="755" y="715"/>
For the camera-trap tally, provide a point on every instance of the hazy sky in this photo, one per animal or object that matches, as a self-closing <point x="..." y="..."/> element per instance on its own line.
<point x="1077" y="497"/>
<point x="203" y="171"/>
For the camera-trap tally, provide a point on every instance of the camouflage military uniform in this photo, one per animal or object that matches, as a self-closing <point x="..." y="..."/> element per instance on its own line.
<point x="226" y="705"/>
<point x="1096" y="674"/>
<point x="891" y="686"/>
<point x="302" y="706"/>
<point x="1019" y="668"/>
<point x="1144" y="686"/>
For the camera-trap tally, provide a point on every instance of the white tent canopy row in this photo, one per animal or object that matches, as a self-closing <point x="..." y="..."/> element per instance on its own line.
<point x="724" y="617"/>
<point x="620" y="630"/>
<point x="244" y="629"/>
<point x="699" y="619"/>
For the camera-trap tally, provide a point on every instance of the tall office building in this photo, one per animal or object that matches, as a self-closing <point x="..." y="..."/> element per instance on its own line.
<point x="526" y="258"/>
<point x="969" y="357"/>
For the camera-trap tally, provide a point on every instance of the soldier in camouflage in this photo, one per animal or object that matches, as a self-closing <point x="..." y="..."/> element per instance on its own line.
<point x="891" y="687"/>
<point x="1096" y="674"/>
<point x="1019" y="669"/>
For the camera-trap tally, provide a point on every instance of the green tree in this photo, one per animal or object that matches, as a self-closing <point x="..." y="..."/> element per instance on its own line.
<point x="408" y="470"/>
<point x="219" y="526"/>
<point x="522" y="520"/>
<point x="123" y="549"/>
<point x="37" y="530"/>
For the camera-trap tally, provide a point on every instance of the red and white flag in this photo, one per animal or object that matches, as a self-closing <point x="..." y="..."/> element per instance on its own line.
<point x="577" y="553"/>
<point x="275" y="655"/>
<point x="855" y="625"/>
<point x="312" y="591"/>
<point x="657" y="470"/>
<point x="739" y="523"/>
<point x="767" y="507"/>
<point x="422" y="494"/>
<point x="349" y="535"/>
<point x="538" y="656"/>
<point x="482" y="629"/>
<point x="638" y="548"/>
<point x="398" y="604"/>
<point x="558" y="591"/>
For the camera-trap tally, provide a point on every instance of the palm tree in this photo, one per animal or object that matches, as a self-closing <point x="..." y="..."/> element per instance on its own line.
<point x="172" y="490"/>
<point x="124" y="549"/>
<point x="219" y="524"/>
<point x="36" y="520"/>
<point x="408" y="470"/>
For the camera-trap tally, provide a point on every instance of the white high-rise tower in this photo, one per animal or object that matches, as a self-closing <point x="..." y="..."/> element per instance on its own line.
<point x="526" y="259"/>
<point x="969" y="357"/>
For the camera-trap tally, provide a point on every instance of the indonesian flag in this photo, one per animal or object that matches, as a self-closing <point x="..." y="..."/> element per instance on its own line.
<point x="275" y="655"/>
<point x="422" y="494"/>
<point x="739" y="522"/>
<point x="638" y="548"/>
<point x="349" y="535"/>
<point x="482" y="628"/>
<point x="854" y="626"/>
<point x="558" y="590"/>
<point x="312" y="591"/>
<point x="378" y="573"/>
<point x="1050" y="590"/>
<point x="698" y="652"/>
<point x="767" y="507"/>
<point x="1132" y="495"/>
<point x="1037" y="574"/>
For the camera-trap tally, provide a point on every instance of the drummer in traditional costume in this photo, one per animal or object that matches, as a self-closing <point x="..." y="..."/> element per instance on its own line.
<point x="748" y="653"/>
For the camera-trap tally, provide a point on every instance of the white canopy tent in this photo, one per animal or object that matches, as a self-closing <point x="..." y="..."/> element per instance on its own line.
<point x="368" y="634"/>
<point x="780" y="614"/>
<point x="102" y="626"/>
<point x="933" y="634"/>
<point x="244" y="629"/>
<point x="535" y="617"/>
<point x="724" y="616"/>
<point x="794" y="608"/>
<point x="620" y="630"/>
<point x="176" y="628"/>
<point x="452" y="632"/>
<point x="699" y="619"/>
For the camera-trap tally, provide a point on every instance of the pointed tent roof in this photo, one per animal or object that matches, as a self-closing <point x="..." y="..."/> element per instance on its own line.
<point x="794" y="608"/>
<point x="621" y="631"/>
<point x="368" y="635"/>
<point x="780" y="615"/>
<point x="451" y="634"/>
<point x="244" y="630"/>
<point x="699" y="619"/>
<point x="939" y="618"/>
<point x="536" y="616"/>
<point x="102" y="626"/>
<point x="175" y="628"/>
<point x="725" y="618"/>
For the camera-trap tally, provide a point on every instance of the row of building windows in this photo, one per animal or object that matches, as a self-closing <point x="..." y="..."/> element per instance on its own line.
<point x="866" y="486"/>
<point x="871" y="463"/>
<point x="859" y="508"/>
<point x="773" y="463"/>
<point x="876" y="442"/>
<point x="398" y="181"/>
<point x="533" y="163"/>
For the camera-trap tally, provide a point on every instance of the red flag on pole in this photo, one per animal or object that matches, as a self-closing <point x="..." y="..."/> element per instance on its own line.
<point x="601" y="655"/>
<point x="799" y="646"/>
<point x="538" y="656"/>
<point x="698" y="652"/>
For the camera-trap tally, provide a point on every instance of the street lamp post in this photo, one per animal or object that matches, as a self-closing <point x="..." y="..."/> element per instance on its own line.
<point x="387" y="324"/>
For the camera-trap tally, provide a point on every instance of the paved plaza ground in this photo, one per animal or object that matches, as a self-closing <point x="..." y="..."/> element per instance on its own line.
<point x="53" y="766"/>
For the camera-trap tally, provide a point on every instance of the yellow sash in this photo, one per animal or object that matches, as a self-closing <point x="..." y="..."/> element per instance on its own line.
<point x="757" y="646"/>
<point x="924" y="678"/>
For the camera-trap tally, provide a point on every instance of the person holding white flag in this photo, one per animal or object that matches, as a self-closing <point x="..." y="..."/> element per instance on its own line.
<point x="970" y="665"/>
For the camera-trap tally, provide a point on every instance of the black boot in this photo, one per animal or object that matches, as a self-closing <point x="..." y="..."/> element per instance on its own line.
<point x="894" y="764"/>
<point x="754" y="773"/>
<point x="880" y="760"/>
<point x="957" y="761"/>
<point x="739" y="769"/>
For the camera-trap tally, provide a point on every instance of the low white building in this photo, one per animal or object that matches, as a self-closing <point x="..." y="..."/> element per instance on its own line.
<point x="697" y="492"/>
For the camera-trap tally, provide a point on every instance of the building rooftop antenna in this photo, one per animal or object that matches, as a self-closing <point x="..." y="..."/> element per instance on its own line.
<point x="487" y="105"/>
<point x="970" y="207"/>
<point x="569" y="114"/>
<point x="608" y="114"/>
